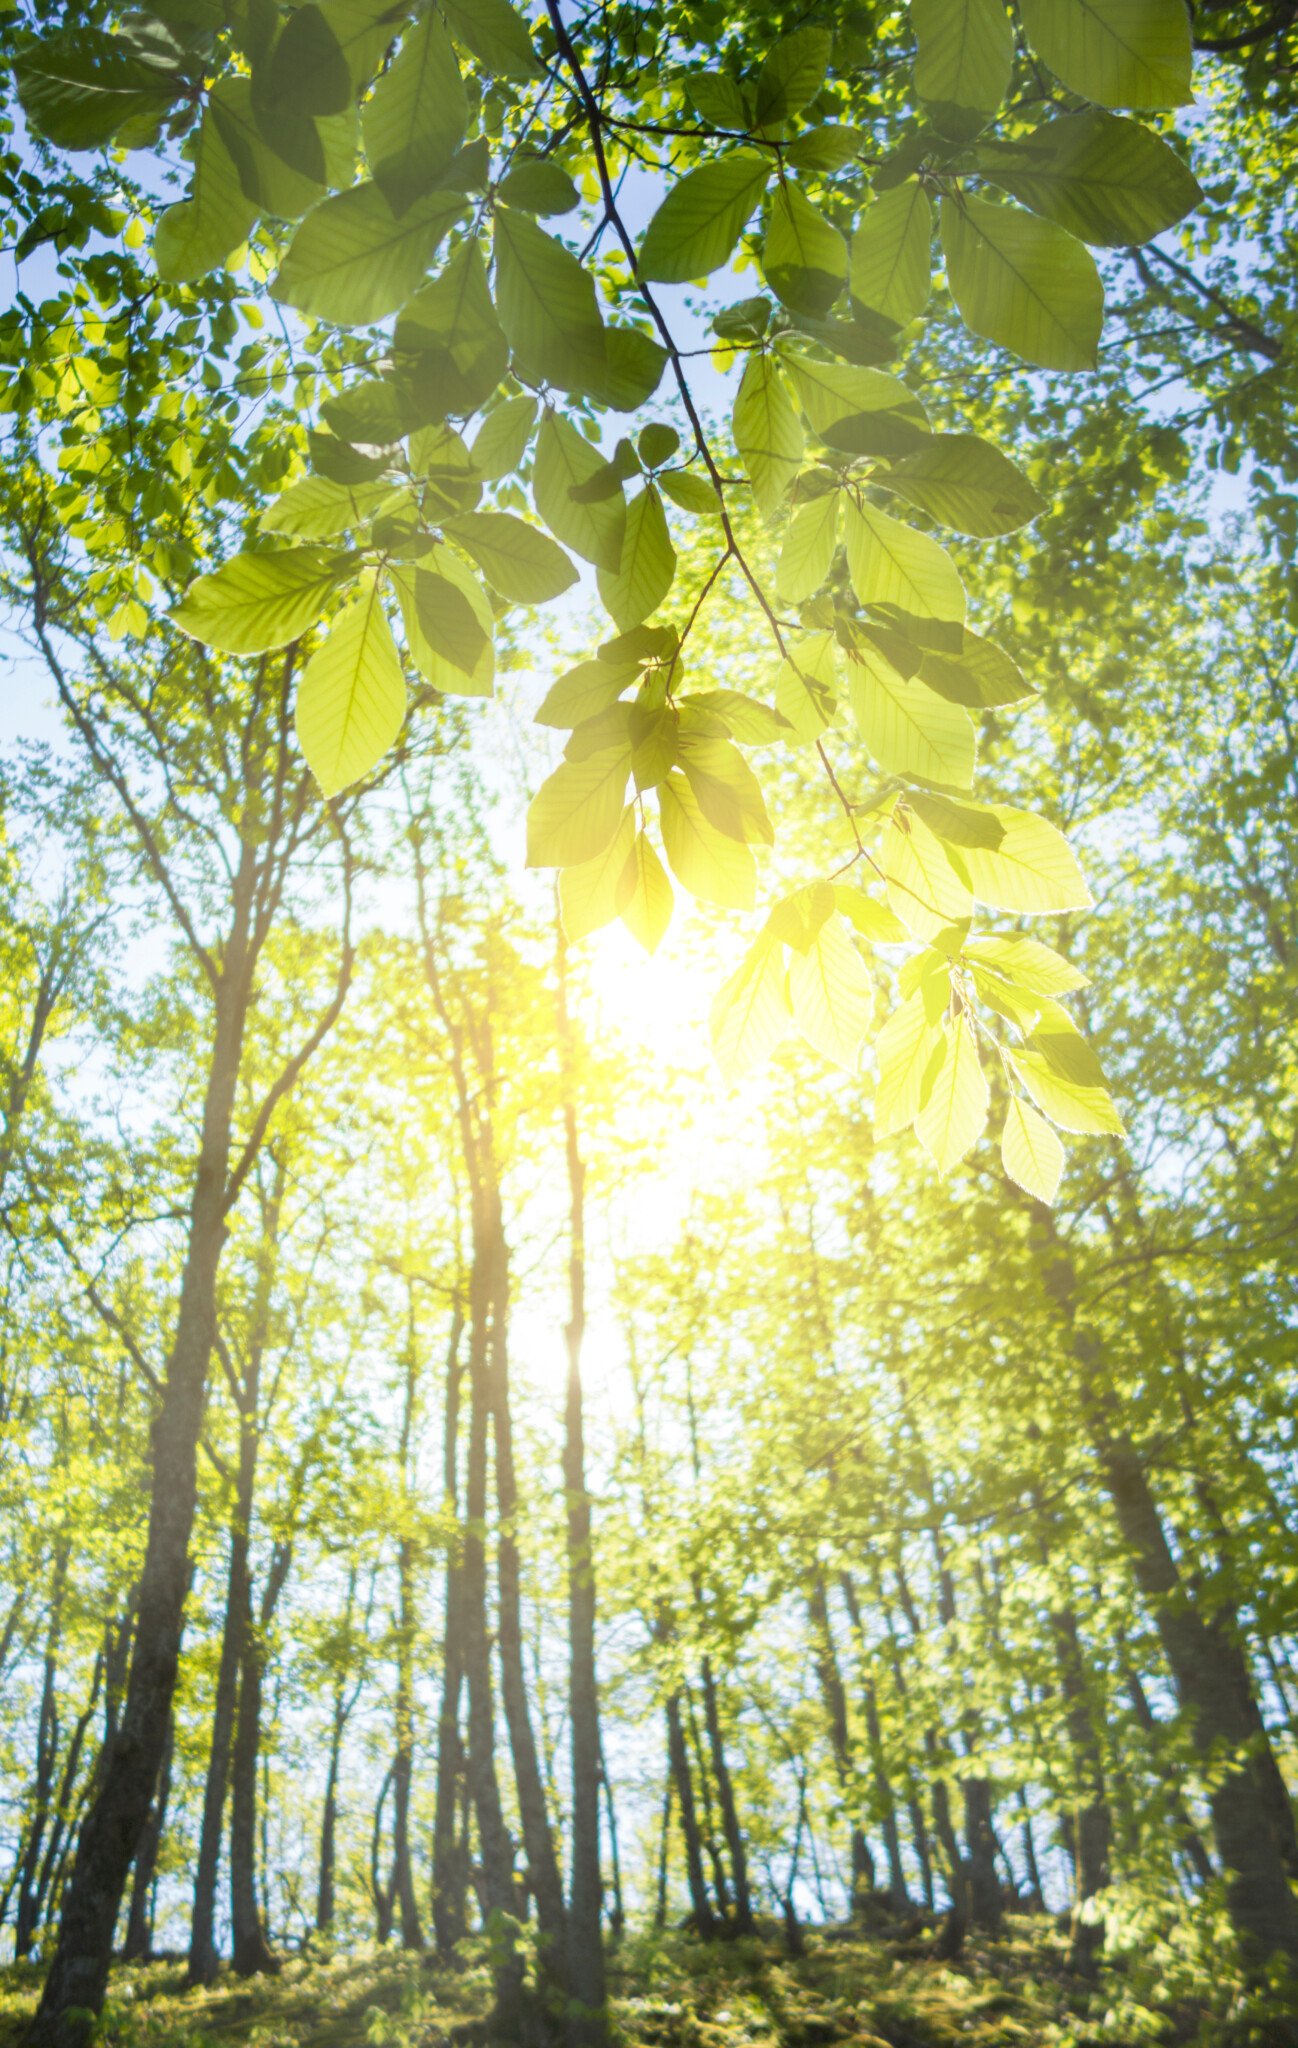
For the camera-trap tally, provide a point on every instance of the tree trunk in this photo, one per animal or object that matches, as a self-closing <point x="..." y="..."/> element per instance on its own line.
<point x="538" y="1839"/>
<point x="700" y="1904"/>
<point x="986" y="1905"/>
<point x="450" y="1858"/>
<point x="27" y="1912"/>
<point x="403" y="1879"/>
<point x="251" y="1953"/>
<point x="138" y="1946"/>
<point x="1088" y="1824"/>
<point x="78" y="1976"/>
<point x="726" y="1797"/>
<point x="586" y="1985"/>
<point x="898" y="1897"/>
<point x="204" y="1961"/>
<point x="840" y="1739"/>
<point x="1213" y="1686"/>
<point x="324" y="1898"/>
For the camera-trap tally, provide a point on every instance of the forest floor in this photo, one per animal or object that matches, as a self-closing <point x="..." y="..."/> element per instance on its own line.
<point x="846" y="1991"/>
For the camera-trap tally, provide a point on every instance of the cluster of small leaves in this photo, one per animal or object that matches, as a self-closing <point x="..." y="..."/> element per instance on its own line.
<point x="356" y="141"/>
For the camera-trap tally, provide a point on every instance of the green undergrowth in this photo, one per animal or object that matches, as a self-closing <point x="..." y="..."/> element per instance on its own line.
<point x="670" y="1991"/>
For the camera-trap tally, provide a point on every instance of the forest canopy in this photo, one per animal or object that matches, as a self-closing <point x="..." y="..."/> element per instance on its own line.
<point x="649" y="916"/>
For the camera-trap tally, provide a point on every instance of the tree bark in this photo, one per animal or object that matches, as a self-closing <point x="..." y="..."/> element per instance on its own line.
<point x="678" y="1754"/>
<point x="204" y="1961"/>
<point x="586" y="1984"/>
<point x="78" y="1976"/>
<point x="726" y="1799"/>
<point x="251" y="1952"/>
<point x="27" y="1911"/>
<point x="138" y="1945"/>
<point x="450" y="1857"/>
<point x="1089" y="1826"/>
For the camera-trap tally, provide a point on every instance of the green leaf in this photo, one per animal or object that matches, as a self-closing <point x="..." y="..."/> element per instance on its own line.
<point x="792" y="74"/>
<point x="632" y="371"/>
<point x="831" y="148"/>
<point x="584" y="692"/>
<point x="955" y="1115"/>
<point x="805" y="687"/>
<point x="351" y="702"/>
<point x="196" y="235"/>
<point x="449" y="350"/>
<point x="353" y="259"/>
<point x="1106" y="180"/>
<point x="305" y="72"/>
<point x="452" y="648"/>
<point x="873" y="920"/>
<point x="958" y="824"/>
<point x="963" y="481"/>
<point x="1081" y="1105"/>
<point x="79" y="88"/>
<point x="808" y="552"/>
<point x="906" y="1052"/>
<point x="1119" y="53"/>
<point x="891" y="564"/>
<point x="981" y="674"/>
<point x="657" y="443"/>
<point x="518" y="560"/>
<point x="695" y="229"/>
<point x="501" y="441"/>
<point x="747" y="719"/>
<point x="257" y="601"/>
<point x="414" y="121"/>
<point x="707" y="863"/>
<point x="693" y="493"/>
<point x="717" y="99"/>
<point x="268" y="182"/>
<point x="909" y="729"/>
<point x="926" y="881"/>
<point x="594" y="892"/>
<point x="768" y="433"/>
<point x="648" y="910"/>
<point x="1023" y="282"/>
<point x="891" y="267"/>
<point x="804" y="258"/>
<point x="751" y="1013"/>
<point x="832" y="995"/>
<point x="966" y="55"/>
<point x="565" y="460"/>
<point x="1027" y="962"/>
<point x="538" y="185"/>
<point x="577" y="810"/>
<point x="863" y="411"/>
<point x="1033" y="868"/>
<point x="647" y="566"/>
<point x="729" y="793"/>
<point x="546" y="301"/>
<point x="496" y="35"/>
<point x="1033" y="1156"/>
<point x="317" y="508"/>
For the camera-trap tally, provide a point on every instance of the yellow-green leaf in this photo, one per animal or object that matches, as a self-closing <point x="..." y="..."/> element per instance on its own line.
<point x="351" y="701"/>
<point x="647" y="565"/>
<point x="809" y="542"/>
<point x="1032" y="1154"/>
<point x="647" y="911"/>
<point x="257" y="601"/>
<point x="578" y="809"/>
<point x="953" y="1118"/>
<point x="711" y="866"/>
<point x="906" y="1053"/>
<point x="891" y="564"/>
<point x="963" y="66"/>
<point x="768" y="432"/>
<point x="908" y="728"/>
<point x="594" y="892"/>
<point x="1023" y="282"/>
<point x="891" y="267"/>
<point x="926" y="887"/>
<point x="1119" y="53"/>
<point x="832" y="995"/>
<point x="1033" y="868"/>
<point x="751" y="1013"/>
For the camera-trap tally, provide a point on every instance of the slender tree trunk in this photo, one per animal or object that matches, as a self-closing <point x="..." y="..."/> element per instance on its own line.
<point x="586" y="1984"/>
<point x="403" y="1877"/>
<point x="1037" y="1895"/>
<point x="700" y="1904"/>
<point x="726" y="1799"/>
<point x="381" y="1892"/>
<point x="68" y="1803"/>
<point x="1212" y="1682"/>
<point x="138" y="1945"/>
<point x="27" y="1913"/>
<point x="450" y="1859"/>
<point x="78" y="1976"/>
<point x="898" y="1897"/>
<point x="664" y="1847"/>
<point x="708" y="1831"/>
<point x="538" y="1839"/>
<point x="840" y="1739"/>
<point x="986" y="1905"/>
<point x="204" y="1961"/>
<point x="617" y="1917"/>
<point x="1088" y="1823"/>
<point x="251" y="1952"/>
<point x="324" y="1899"/>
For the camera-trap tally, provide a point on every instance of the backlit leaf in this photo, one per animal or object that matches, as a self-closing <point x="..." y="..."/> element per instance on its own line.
<point x="257" y="601"/>
<point x="768" y="433"/>
<point x="594" y="892"/>
<point x="966" y="55"/>
<point x="647" y="911"/>
<point x="1033" y="868"/>
<point x="751" y="1013"/>
<point x="1023" y="282"/>
<point x="832" y="995"/>
<point x="955" y="1115"/>
<point x="1106" y="180"/>
<point x="1030" y="1151"/>
<point x="891" y="564"/>
<point x="906" y="1053"/>
<point x="351" y="701"/>
<point x="908" y="728"/>
<point x="1119" y="53"/>
<point x="891" y="267"/>
<point x="577" y="810"/>
<point x="711" y="866"/>
<point x="518" y="560"/>
<point x="695" y="229"/>
<point x="647" y="565"/>
<point x="353" y="259"/>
